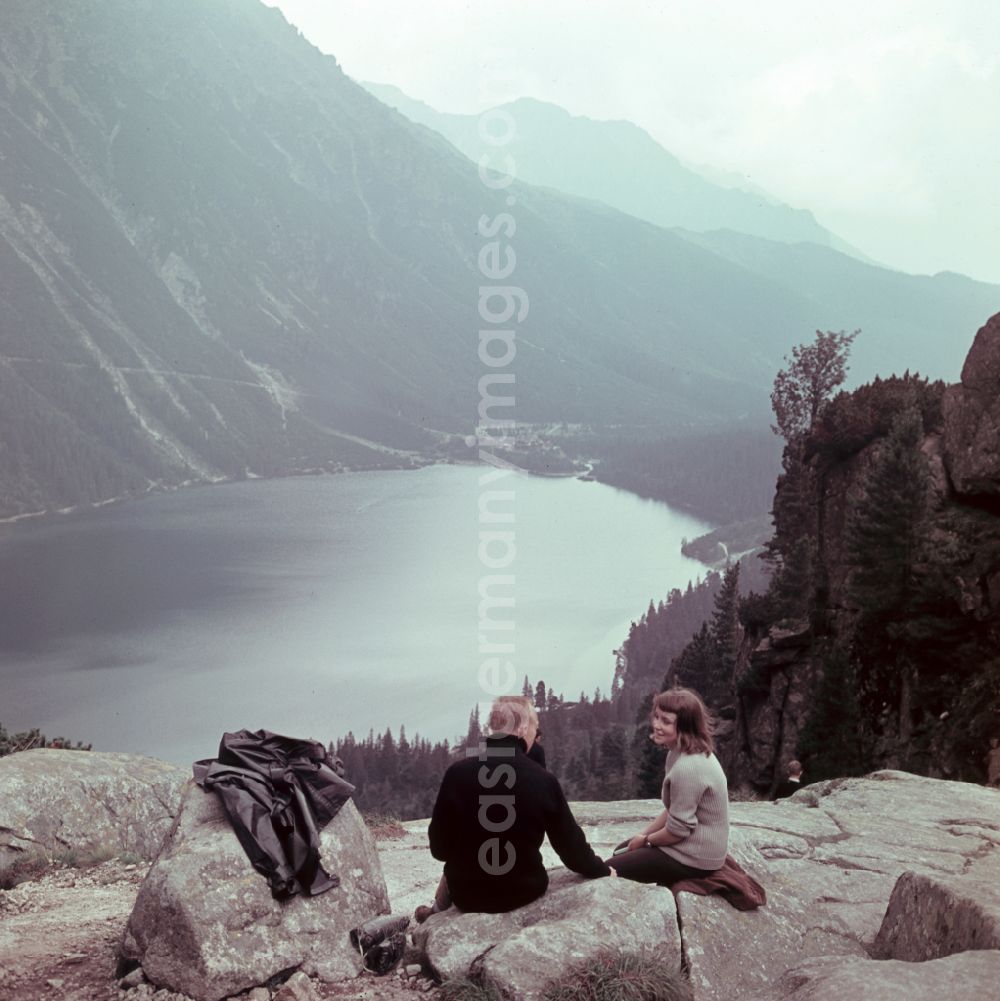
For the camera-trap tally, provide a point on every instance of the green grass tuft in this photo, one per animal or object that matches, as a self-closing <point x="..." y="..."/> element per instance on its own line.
<point x="621" y="976"/>
<point x="466" y="989"/>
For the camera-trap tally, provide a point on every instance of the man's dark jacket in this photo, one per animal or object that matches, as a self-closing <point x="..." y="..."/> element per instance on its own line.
<point x="539" y="808"/>
<point x="788" y="787"/>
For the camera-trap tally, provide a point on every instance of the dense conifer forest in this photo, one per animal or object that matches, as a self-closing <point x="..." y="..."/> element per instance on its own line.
<point x="722" y="476"/>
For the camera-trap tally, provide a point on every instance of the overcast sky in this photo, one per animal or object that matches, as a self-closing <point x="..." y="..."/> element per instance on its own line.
<point x="880" y="116"/>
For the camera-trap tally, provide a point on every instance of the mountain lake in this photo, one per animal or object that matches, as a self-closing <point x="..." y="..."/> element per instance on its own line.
<point x="316" y="605"/>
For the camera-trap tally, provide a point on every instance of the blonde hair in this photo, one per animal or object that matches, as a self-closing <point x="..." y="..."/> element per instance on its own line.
<point x="510" y="713"/>
<point x="694" y="722"/>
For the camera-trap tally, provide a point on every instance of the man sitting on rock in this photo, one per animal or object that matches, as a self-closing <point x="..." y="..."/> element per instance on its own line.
<point x="493" y="810"/>
<point x="792" y="783"/>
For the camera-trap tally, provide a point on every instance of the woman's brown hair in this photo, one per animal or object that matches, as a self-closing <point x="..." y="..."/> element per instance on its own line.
<point x="694" y="722"/>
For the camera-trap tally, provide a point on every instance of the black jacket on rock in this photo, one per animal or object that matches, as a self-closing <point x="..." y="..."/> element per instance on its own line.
<point x="496" y="808"/>
<point x="279" y="793"/>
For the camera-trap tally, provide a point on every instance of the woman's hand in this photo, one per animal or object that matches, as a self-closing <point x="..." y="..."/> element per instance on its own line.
<point x="639" y="841"/>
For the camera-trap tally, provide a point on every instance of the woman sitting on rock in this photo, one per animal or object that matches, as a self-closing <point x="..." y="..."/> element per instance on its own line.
<point x="690" y="838"/>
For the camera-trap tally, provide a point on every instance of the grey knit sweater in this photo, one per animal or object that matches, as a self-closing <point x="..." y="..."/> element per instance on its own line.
<point x="696" y="796"/>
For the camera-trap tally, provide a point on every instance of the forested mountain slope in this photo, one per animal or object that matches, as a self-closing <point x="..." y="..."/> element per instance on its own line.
<point x="220" y="257"/>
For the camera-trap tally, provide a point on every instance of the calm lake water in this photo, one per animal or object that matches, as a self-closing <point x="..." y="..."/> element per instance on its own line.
<point x="314" y="606"/>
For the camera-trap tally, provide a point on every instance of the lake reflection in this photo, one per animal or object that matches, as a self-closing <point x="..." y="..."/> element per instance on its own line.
<point x="314" y="606"/>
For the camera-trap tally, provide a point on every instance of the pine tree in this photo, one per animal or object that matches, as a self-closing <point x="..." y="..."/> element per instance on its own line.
<point x="540" y="696"/>
<point x="831" y="742"/>
<point x="696" y="663"/>
<point x="884" y="539"/>
<point x="612" y="770"/>
<point x="474" y="733"/>
<point x="725" y="629"/>
<point x="792" y="551"/>
<point x="884" y="528"/>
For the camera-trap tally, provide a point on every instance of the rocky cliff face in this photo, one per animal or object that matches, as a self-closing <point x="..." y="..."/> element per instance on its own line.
<point x="780" y="665"/>
<point x="971" y="445"/>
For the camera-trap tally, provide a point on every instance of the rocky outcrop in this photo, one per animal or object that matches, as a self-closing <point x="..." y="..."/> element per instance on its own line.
<point x="205" y="923"/>
<point x="54" y="801"/>
<point x="524" y="950"/>
<point x="830" y="859"/>
<point x="929" y="917"/>
<point x="962" y="452"/>
<point x="775" y="679"/>
<point x="972" y="419"/>
<point x="967" y="975"/>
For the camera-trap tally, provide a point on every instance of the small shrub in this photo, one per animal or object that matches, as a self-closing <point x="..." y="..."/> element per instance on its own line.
<point x="466" y="989"/>
<point x="83" y="858"/>
<point x="621" y="976"/>
<point x="28" y="740"/>
<point x="33" y="865"/>
<point x="23" y="869"/>
<point x="384" y="826"/>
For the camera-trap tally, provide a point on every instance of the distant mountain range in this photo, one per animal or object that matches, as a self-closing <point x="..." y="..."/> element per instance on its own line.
<point x="220" y="257"/>
<point x="620" y="164"/>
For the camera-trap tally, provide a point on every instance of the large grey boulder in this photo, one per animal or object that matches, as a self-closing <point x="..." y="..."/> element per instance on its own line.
<point x="523" y="950"/>
<point x="929" y="917"/>
<point x="54" y="800"/>
<point x="205" y="924"/>
<point x="972" y="975"/>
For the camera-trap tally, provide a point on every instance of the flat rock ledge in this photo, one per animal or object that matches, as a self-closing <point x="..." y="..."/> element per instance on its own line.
<point x="54" y="800"/>
<point x="524" y="950"/>
<point x="929" y="918"/>
<point x="966" y="975"/>
<point x="206" y="926"/>
<point x="893" y="865"/>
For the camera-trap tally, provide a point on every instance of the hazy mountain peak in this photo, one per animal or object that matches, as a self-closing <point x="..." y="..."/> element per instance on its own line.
<point x="621" y="164"/>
